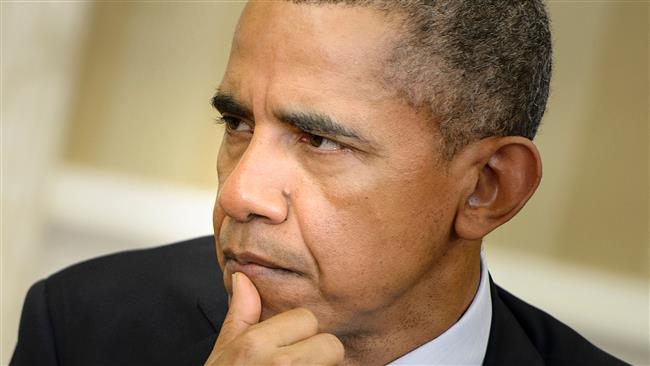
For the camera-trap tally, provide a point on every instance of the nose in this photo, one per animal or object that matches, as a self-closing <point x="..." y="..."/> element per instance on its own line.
<point x="255" y="187"/>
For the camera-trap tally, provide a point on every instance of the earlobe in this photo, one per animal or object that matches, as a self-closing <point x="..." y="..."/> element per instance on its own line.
<point x="507" y="171"/>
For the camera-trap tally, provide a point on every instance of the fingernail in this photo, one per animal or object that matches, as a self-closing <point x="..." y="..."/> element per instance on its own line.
<point x="233" y="280"/>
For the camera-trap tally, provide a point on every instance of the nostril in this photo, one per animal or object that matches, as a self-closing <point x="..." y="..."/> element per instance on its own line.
<point x="255" y="216"/>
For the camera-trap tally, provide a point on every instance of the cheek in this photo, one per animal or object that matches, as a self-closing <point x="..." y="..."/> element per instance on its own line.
<point x="374" y="237"/>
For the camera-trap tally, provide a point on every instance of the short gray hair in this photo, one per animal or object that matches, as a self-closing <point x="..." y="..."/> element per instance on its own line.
<point x="482" y="67"/>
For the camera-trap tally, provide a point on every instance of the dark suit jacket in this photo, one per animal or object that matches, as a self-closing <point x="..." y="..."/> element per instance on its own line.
<point x="165" y="306"/>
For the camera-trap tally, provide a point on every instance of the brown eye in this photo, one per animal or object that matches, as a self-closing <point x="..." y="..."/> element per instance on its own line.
<point x="235" y="124"/>
<point x="323" y="143"/>
<point x="315" y="141"/>
<point x="231" y="122"/>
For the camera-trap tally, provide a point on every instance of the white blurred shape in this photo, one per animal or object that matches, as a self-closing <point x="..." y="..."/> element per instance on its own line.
<point x="128" y="209"/>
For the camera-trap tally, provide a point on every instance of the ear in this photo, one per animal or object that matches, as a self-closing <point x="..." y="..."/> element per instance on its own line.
<point x="497" y="176"/>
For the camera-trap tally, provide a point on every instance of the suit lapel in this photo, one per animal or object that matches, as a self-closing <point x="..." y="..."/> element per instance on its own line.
<point x="211" y="297"/>
<point x="214" y="308"/>
<point x="212" y="303"/>
<point x="508" y="343"/>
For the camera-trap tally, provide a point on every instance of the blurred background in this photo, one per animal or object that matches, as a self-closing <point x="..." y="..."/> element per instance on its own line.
<point x="108" y="144"/>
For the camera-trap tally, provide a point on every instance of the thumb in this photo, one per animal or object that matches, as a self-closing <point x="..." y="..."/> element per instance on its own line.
<point x="244" y="311"/>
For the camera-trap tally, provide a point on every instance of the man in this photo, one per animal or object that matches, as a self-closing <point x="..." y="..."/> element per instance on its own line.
<point x="369" y="147"/>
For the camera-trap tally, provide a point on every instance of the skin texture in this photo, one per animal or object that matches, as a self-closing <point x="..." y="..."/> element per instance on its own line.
<point x="376" y="239"/>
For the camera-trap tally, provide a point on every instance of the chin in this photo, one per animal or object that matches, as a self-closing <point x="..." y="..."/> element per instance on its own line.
<point x="278" y="298"/>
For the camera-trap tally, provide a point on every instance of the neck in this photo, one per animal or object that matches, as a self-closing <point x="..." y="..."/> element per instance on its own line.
<point x="421" y="314"/>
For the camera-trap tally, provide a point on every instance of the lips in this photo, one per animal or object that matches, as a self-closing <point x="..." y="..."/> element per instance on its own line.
<point x="248" y="258"/>
<point x="254" y="265"/>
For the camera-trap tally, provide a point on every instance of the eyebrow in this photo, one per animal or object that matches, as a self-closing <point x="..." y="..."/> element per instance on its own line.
<point x="310" y="122"/>
<point x="226" y="103"/>
<point x="318" y="124"/>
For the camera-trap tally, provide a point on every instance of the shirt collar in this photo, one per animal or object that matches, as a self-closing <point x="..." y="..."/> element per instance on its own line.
<point x="465" y="342"/>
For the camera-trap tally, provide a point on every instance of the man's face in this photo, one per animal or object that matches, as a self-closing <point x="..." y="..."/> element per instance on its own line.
<point x="330" y="186"/>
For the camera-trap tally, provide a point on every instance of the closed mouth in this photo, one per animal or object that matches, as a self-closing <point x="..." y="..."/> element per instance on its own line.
<point x="252" y="263"/>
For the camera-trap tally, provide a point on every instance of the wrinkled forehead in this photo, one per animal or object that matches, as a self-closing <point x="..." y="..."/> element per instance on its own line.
<point x="351" y="40"/>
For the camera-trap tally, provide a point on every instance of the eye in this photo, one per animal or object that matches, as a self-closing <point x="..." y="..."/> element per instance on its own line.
<point x="234" y="124"/>
<point x="322" y="143"/>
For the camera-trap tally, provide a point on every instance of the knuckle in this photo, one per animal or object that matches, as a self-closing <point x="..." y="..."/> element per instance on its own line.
<point x="248" y="343"/>
<point x="308" y="317"/>
<point x="333" y="344"/>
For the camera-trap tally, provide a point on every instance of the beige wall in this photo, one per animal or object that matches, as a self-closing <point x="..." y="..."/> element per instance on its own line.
<point x="142" y="106"/>
<point x="592" y="206"/>
<point x="39" y="57"/>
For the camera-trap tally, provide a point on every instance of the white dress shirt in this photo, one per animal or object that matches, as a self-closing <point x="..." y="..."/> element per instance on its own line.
<point x="465" y="342"/>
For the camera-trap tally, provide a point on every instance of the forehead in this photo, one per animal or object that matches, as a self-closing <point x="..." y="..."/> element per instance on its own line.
<point x="310" y="41"/>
